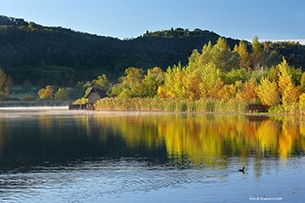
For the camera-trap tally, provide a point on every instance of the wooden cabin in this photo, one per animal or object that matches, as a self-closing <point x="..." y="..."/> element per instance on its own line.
<point x="95" y="94"/>
<point x="256" y="108"/>
<point x="91" y="97"/>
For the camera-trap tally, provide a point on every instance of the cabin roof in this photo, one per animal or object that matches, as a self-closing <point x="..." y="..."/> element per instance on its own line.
<point x="100" y="92"/>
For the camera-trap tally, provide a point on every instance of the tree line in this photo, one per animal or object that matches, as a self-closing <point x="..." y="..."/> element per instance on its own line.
<point x="219" y="73"/>
<point x="59" y="56"/>
<point x="215" y="73"/>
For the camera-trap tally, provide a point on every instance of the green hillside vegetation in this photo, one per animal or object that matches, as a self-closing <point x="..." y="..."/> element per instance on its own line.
<point x="59" y="56"/>
<point x="62" y="57"/>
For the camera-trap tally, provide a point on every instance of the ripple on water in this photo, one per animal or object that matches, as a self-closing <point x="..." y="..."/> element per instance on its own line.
<point x="96" y="179"/>
<point x="92" y="181"/>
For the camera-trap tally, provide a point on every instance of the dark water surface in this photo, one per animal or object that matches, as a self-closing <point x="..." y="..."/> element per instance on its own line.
<point x="56" y="155"/>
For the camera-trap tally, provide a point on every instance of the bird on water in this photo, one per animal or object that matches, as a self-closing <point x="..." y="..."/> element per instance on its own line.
<point x="242" y="170"/>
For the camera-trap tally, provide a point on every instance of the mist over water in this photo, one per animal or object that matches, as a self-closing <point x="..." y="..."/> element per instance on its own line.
<point x="57" y="155"/>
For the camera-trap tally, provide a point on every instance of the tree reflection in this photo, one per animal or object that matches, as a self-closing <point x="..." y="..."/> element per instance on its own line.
<point x="207" y="139"/>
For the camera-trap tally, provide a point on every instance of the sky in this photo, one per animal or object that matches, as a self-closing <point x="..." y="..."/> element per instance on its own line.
<point x="238" y="19"/>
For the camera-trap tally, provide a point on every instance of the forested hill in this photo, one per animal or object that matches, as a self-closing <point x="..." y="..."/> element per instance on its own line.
<point x="60" y="56"/>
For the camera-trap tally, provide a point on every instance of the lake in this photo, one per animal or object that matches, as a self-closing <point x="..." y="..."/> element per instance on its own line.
<point x="57" y="155"/>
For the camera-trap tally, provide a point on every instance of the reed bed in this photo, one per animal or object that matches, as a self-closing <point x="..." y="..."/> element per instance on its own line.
<point x="167" y="105"/>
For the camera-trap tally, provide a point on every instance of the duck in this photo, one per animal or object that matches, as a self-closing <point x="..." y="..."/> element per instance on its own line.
<point x="242" y="170"/>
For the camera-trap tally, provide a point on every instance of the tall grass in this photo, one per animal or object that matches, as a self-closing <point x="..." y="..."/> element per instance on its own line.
<point x="168" y="105"/>
<point x="184" y="105"/>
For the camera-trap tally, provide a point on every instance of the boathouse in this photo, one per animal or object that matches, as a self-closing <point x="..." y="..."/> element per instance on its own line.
<point x="92" y="96"/>
<point x="95" y="94"/>
<point x="256" y="108"/>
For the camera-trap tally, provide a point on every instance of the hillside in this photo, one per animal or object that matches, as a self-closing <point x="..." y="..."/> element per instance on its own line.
<point x="60" y="56"/>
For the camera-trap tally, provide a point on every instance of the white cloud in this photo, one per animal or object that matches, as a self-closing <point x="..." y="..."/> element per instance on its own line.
<point x="301" y="41"/>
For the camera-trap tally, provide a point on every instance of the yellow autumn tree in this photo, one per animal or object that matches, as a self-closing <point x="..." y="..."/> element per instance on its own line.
<point x="290" y="92"/>
<point x="268" y="92"/>
<point x="249" y="92"/>
<point x="174" y="86"/>
<point x="302" y="104"/>
<point x="283" y="77"/>
<point x="6" y="83"/>
<point x="46" y="93"/>
<point x="210" y="77"/>
<point x="291" y="95"/>
<point x="227" y="92"/>
<point x="191" y="80"/>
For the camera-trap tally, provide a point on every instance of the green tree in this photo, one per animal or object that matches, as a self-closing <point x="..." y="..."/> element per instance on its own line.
<point x="269" y="57"/>
<point x="101" y="82"/>
<point x="235" y="75"/>
<point x="256" y="53"/>
<point x="152" y="80"/>
<point x="295" y="74"/>
<point x="132" y="75"/>
<point x="244" y="55"/>
<point x="206" y="54"/>
<point x="129" y="85"/>
<point x="61" y="94"/>
<point x="223" y="57"/>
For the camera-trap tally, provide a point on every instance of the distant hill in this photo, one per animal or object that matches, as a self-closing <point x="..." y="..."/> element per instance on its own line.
<point x="60" y="56"/>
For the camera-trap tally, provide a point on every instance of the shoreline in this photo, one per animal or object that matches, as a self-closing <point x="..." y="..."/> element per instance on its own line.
<point x="117" y="112"/>
<point x="30" y="108"/>
<point x="52" y="108"/>
<point x="38" y="103"/>
<point x="64" y="111"/>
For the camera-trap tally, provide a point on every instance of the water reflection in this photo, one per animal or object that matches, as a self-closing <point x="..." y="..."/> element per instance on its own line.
<point x="199" y="136"/>
<point x="195" y="140"/>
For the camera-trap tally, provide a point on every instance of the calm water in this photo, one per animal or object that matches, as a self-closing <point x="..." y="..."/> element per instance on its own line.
<point x="56" y="155"/>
